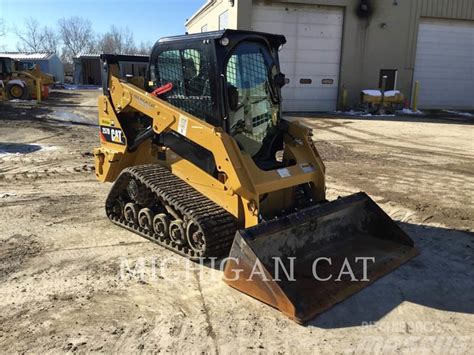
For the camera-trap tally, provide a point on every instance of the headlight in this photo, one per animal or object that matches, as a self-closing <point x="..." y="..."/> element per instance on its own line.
<point x="225" y="41"/>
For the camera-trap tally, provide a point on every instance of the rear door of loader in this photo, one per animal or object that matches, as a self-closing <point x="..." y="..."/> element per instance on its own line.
<point x="328" y="252"/>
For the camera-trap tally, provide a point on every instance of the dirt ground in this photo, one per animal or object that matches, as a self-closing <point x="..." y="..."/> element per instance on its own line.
<point x="66" y="272"/>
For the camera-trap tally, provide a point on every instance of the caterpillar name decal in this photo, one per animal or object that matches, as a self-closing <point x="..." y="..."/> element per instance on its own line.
<point x="112" y="135"/>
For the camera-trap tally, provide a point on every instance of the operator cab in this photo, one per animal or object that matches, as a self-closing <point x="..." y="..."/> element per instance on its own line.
<point x="5" y="67"/>
<point x="230" y="79"/>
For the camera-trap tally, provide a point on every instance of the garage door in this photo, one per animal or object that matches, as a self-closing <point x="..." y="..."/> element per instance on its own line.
<point x="311" y="57"/>
<point x="445" y="64"/>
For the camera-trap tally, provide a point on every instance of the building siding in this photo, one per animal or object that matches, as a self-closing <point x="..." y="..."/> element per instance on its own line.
<point x="443" y="65"/>
<point x="210" y="17"/>
<point x="56" y="68"/>
<point x="367" y="47"/>
<point x="453" y="9"/>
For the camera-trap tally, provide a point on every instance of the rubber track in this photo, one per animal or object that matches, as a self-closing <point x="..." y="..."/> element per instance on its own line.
<point x="218" y="225"/>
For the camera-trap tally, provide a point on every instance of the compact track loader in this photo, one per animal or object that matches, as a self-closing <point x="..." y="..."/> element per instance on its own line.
<point x="21" y="79"/>
<point x="204" y="164"/>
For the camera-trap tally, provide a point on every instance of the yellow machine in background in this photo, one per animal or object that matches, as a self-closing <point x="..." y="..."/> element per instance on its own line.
<point x="379" y="100"/>
<point x="24" y="81"/>
<point x="204" y="165"/>
<point x="2" y="91"/>
<point x="35" y="70"/>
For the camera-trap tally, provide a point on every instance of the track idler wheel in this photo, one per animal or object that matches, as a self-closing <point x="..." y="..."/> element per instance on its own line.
<point x="145" y="218"/>
<point x="130" y="212"/>
<point x="161" y="225"/>
<point x="138" y="192"/>
<point x="195" y="237"/>
<point x="177" y="233"/>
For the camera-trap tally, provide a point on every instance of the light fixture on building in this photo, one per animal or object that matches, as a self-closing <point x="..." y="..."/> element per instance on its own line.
<point x="231" y="2"/>
<point x="364" y="9"/>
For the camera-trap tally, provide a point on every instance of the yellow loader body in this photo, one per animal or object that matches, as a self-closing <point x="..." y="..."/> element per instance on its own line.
<point x="213" y="187"/>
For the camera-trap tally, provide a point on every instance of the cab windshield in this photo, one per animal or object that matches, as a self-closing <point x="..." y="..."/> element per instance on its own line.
<point x="24" y="66"/>
<point x="252" y="95"/>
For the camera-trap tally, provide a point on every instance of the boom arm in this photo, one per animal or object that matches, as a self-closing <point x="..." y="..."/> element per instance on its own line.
<point x="240" y="183"/>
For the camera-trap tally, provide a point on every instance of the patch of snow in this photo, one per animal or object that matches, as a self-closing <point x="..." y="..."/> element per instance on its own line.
<point x="67" y="116"/>
<point x="407" y="111"/>
<point x="465" y="114"/>
<point x="6" y="194"/>
<point x="81" y="87"/>
<point x="391" y="93"/>
<point x="18" y="82"/>
<point x="374" y="115"/>
<point x="48" y="148"/>
<point x="361" y="114"/>
<point x="351" y="113"/>
<point x="372" y="92"/>
<point x="34" y="102"/>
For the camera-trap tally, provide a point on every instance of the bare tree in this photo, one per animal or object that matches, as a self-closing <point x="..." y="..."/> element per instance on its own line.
<point x="144" y="48"/>
<point x="29" y="37"/>
<point x="34" y="38"/>
<point x="77" y="36"/>
<point x="50" y="40"/>
<point x="2" y="32"/>
<point x="2" y="27"/>
<point x="118" y="41"/>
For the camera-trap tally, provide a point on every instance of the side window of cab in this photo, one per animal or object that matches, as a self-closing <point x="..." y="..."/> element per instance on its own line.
<point x="188" y="71"/>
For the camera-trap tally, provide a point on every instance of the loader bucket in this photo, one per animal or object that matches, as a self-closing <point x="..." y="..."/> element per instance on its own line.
<point x="261" y="259"/>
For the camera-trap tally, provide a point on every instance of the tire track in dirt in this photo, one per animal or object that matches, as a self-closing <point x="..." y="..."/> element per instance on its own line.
<point x="412" y="150"/>
<point x="325" y="125"/>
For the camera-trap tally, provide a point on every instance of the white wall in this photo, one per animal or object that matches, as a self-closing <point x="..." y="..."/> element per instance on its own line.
<point x="210" y="17"/>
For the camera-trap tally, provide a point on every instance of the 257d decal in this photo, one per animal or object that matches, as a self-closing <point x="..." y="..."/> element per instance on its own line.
<point x="112" y="135"/>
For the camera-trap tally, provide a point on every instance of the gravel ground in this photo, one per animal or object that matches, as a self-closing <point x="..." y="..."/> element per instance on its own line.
<point x="66" y="273"/>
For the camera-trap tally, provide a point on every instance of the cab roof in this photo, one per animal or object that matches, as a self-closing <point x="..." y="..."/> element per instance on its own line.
<point x="274" y="39"/>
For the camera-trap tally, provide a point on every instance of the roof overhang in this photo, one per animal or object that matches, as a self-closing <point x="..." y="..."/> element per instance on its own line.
<point x="24" y="56"/>
<point x="201" y="10"/>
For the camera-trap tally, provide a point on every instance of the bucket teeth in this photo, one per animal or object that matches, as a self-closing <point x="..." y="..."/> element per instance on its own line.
<point x="306" y="262"/>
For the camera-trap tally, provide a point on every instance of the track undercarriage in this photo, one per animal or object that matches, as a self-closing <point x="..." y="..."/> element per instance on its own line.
<point x="152" y="202"/>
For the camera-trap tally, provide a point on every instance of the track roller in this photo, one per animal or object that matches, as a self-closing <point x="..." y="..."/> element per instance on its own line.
<point x="177" y="233"/>
<point x="161" y="225"/>
<point x="130" y="212"/>
<point x="145" y="218"/>
<point x="195" y="237"/>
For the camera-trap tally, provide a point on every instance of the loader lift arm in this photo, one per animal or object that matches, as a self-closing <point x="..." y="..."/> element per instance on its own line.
<point x="242" y="179"/>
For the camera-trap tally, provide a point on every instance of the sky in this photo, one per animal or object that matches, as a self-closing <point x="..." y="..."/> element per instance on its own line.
<point x="149" y="20"/>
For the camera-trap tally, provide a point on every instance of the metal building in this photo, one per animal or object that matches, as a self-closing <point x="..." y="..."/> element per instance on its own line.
<point x="87" y="69"/>
<point x="337" y="45"/>
<point x="48" y="62"/>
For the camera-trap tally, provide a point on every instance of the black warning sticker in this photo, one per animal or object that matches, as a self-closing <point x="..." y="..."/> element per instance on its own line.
<point x="112" y="135"/>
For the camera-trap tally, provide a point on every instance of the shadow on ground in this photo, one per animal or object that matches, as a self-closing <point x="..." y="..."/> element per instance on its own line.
<point x="441" y="277"/>
<point x="18" y="148"/>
